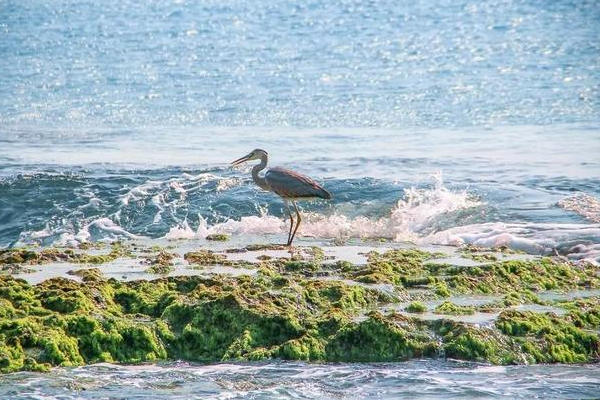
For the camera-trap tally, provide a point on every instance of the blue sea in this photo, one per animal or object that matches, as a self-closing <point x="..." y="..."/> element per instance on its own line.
<point x="432" y="122"/>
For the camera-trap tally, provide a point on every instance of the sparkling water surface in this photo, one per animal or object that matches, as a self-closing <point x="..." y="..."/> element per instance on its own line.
<point x="434" y="122"/>
<point x="286" y="63"/>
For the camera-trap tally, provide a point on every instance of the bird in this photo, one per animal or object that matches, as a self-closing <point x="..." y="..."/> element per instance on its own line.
<point x="289" y="185"/>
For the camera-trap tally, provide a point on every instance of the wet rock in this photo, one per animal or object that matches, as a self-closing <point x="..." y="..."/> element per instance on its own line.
<point x="453" y="309"/>
<point x="219" y="237"/>
<point x="285" y="311"/>
<point x="416" y="307"/>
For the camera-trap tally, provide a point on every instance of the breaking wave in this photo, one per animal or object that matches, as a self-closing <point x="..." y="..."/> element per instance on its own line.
<point x="414" y="217"/>
<point x="576" y="241"/>
<point x="416" y="212"/>
<point x="191" y="206"/>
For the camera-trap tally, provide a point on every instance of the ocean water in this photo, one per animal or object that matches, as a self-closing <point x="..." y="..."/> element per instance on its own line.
<point x="419" y="379"/>
<point x="531" y="188"/>
<point x="287" y="63"/>
<point x="431" y="122"/>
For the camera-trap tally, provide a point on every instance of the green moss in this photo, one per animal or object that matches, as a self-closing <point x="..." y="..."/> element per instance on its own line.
<point x="27" y="256"/>
<point x="480" y="255"/>
<point x="453" y="309"/>
<point x="584" y="313"/>
<point x="399" y="267"/>
<point x="40" y="339"/>
<point x="143" y="297"/>
<point x="118" y="250"/>
<point x="317" y="254"/>
<point x="411" y="268"/>
<point x="549" y="338"/>
<point x="206" y="331"/>
<point x="513" y="298"/>
<point x="23" y="255"/>
<point x="378" y="339"/>
<point x="472" y="343"/>
<point x="307" y="348"/>
<point x="88" y="274"/>
<point x="416" y="307"/>
<point x="301" y="266"/>
<point x="162" y="259"/>
<point x="327" y="294"/>
<point x="219" y="237"/>
<point x="160" y="268"/>
<point x="64" y="296"/>
<point x="204" y="257"/>
<point x="285" y="311"/>
<point x="257" y="247"/>
<point x="440" y="289"/>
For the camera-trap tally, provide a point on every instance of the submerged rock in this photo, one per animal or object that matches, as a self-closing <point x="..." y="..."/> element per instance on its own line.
<point x="453" y="309"/>
<point x="33" y="257"/>
<point x="161" y="263"/>
<point x="219" y="237"/>
<point x="416" y="307"/>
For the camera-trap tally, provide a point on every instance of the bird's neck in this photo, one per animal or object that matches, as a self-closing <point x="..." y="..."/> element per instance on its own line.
<point x="259" y="180"/>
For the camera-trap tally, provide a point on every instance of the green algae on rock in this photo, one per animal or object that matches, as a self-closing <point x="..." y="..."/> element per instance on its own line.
<point x="218" y="237"/>
<point x="450" y="308"/>
<point x="412" y="268"/>
<point x="33" y="257"/>
<point x="204" y="257"/>
<point x="285" y="311"/>
<point x="399" y="267"/>
<point x="416" y="307"/>
<point x="483" y="344"/>
<point x="547" y="338"/>
<point x="584" y="313"/>
<point x="380" y="339"/>
<point x="161" y="263"/>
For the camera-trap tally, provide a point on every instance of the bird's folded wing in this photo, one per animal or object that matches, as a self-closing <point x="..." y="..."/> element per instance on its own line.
<point x="291" y="184"/>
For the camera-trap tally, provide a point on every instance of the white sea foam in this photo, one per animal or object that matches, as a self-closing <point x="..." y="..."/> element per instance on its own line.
<point x="585" y="205"/>
<point x="182" y="231"/>
<point x="576" y="241"/>
<point x="164" y="196"/>
<point x="109" y="226"/>
<point x="251" y="225"/>
<point x="64" y="236"/>
<point x="421" y="216"/>
<point x="412" y="219"/>
<point x="411" y="215"/>
<point x="140" y="191"/>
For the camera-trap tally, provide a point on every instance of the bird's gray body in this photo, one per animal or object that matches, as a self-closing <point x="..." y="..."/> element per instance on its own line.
<point x="289" y="185"/>
<point x="293" y="186"/>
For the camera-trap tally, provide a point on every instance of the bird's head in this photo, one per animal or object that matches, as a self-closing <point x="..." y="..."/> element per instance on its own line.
<point x="255" y="154"/>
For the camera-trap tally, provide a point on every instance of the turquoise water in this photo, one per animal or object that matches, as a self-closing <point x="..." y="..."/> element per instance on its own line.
<point x="434" y="122"/>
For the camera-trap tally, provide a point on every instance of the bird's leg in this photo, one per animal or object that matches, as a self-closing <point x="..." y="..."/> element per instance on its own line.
<point x="291" y="222"/>
<point x="298" y="220"/>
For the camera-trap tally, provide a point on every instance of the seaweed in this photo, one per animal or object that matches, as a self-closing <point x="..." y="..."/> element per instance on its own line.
<point x="285" y="312"/>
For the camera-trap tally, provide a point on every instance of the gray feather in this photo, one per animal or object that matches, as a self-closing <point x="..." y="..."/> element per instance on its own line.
<point x="290" y="184"/>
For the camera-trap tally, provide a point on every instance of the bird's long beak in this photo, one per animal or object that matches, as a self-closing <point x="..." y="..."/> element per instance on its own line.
<point x="241" y="160"/>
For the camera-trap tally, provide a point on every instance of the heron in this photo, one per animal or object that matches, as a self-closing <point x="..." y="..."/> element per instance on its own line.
<point x="289" y="185"/>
